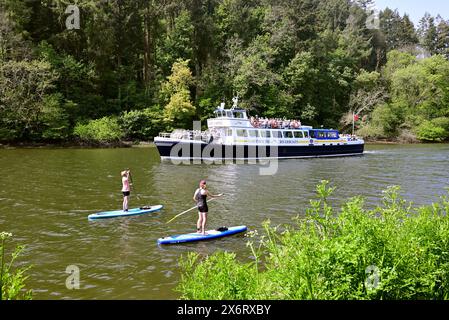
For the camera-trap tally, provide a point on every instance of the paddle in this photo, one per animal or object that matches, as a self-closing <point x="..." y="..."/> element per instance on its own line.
<point x="184" y="212"/>
<point x="134" y="188"/>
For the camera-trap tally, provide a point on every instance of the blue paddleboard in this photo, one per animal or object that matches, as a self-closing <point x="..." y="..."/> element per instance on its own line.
<point x="121" y="213"/>
<point x="211" y="234"/>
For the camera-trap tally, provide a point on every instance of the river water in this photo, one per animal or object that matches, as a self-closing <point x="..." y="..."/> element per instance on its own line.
<point x="47" y="194"/>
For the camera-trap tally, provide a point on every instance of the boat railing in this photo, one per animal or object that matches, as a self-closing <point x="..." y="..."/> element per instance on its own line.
<point x="164" y="135"/>
<point x="193" y="135"/>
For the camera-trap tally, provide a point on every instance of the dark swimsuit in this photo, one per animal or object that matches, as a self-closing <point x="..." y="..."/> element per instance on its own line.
<point x="202" y="202"/>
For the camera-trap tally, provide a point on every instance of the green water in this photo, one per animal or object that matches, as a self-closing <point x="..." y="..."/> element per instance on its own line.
<point x="47" y="194"/>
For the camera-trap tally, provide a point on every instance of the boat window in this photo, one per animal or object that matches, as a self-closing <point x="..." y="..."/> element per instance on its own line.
<point x="332" y="134"/>
<point x="264" y="134"/>
<point x="306" y="134"/>
<point x="252" y="133"/>
<point x="229" y="114"/>
<point x="229" y="132"/>
<point x="288" y="134"/>
<point x="242" y="133"/>
<point x="299" y="134"/>
<point x="321" y="134"/>
<point x="276" y="134"/>
<point x="239" y="115"/>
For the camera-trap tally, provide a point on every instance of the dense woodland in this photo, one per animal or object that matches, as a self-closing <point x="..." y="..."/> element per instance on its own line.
<point x="138" y="67"/>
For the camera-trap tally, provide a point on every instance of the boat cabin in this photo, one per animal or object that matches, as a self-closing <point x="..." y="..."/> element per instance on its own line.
<point x="229" y="118"/>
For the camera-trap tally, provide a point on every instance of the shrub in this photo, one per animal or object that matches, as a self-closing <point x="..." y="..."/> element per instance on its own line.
<point x="391" y="252"/>
<point x="142" y="124"/>
<point x="12" y="281"/>
<point x="429" y="131"/>
<point x="101" y="130"/>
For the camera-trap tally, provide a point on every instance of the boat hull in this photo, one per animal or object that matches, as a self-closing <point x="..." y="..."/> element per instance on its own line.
<point x="194" y="150"/>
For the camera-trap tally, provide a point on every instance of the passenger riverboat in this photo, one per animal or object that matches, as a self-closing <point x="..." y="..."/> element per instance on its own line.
<point x="231" y="135"/>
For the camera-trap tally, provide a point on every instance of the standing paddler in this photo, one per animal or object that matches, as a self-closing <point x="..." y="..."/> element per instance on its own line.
<point x="200" y="197"/>
<point x="126" y="188"/>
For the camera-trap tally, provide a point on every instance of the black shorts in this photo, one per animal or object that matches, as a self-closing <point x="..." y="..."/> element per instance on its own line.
<point x="126" y="193"/>
<point x="203" y="209"/>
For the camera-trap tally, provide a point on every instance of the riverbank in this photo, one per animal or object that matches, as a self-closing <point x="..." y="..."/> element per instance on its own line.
<point x="395" y="252"/>
<point x="74" y="145"/>
<point x="150" y="144"/>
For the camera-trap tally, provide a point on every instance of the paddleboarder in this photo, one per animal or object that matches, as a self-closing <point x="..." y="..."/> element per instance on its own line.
<point x="126" y="188"/>
<point x="200" y="197"/>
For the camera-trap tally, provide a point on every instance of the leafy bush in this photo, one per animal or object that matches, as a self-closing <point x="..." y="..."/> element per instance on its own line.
<point x="12" y="282"/>
<point x="442" y="122"/>
<point x="101" y="130"/>
<point x="370" y="131"/>
<point x="391" y="252"/>
<point x="55" y="124"/>
<point x="429" y="131"/>
<point x="142" y="124"/>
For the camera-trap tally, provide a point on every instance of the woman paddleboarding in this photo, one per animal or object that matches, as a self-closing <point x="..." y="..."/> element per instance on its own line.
<point x="126" y="188"/>
<point x="200" y="197"/>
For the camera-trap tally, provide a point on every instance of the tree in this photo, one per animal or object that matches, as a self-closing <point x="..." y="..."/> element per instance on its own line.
<point x="442" y="42"/>
<point x="179" y="108"/>
<point x="397" y="60"/>
<point x="178" y="42"/>
<point x="399" y="31"/>
<point x="302" y="79"/>
<point x="24" y="87"/>
<point x="12" y="44"/>
<point x="255" y="81"/>
<point x="366" y="95"/>
<point x="428" y="33"/>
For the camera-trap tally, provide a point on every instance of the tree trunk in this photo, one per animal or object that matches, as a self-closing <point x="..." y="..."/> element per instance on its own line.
<point x="147" y="51"/>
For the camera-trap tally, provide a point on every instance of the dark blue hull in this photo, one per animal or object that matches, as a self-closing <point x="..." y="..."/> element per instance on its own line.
<point x="186" y="150"/>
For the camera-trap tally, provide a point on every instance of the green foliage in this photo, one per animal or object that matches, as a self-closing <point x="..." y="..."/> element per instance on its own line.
<point x="12" y="280"/>
<point x="230" y="279"/>
<point x="388" y="117"/>
<point x="431" y="132"/>
<point x="397" y="60"/>
<point x="178" y="42"/>
<point x="76" y="82"/>
<point x="24" y="87"/>
<point x="399" y="31"/>
<point x="316" y="60"/>
<point x="418" y="95"/>
<point x="142" y="124"/>
<point x="179" y="109"/>
<point x="392" y="252"/>
<point x="54" y="119"/>
<point x="102" y="130"/>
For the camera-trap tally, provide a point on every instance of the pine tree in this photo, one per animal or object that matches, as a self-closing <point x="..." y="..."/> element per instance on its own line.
<point x="407" y="33"/>
<point x="428" y="33"/>
<point x="442" y="41"/>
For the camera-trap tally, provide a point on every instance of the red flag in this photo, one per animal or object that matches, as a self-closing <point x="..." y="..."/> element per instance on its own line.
<point x="356" y="117"/>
